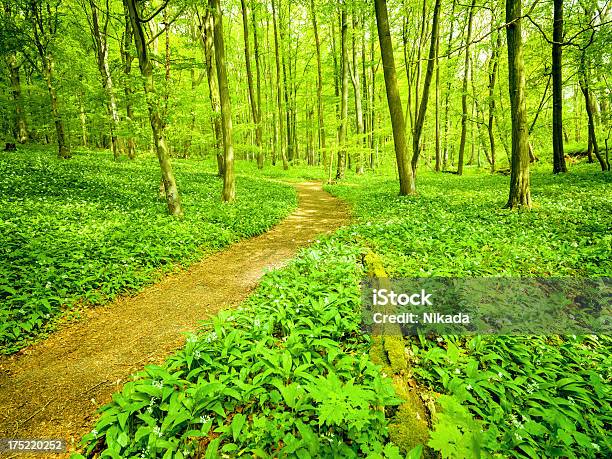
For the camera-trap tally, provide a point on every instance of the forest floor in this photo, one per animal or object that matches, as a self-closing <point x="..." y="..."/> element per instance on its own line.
<point x="53" y="389"/>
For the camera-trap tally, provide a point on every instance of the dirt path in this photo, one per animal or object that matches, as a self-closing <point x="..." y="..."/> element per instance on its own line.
<point x="52" y="389"/>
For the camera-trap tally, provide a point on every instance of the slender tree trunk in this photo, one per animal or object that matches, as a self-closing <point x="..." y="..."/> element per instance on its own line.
<point x="493" y="68"/>
<point x="466" y="70"/>
<point x="229" y="180"/>
<point x="63" y="147"/>
<point x="344" y="98"/>
<point x="448" y="90"/>
<point x="404" y="166"/>
<point x="258" y="127"/>
<point x="422" y="105"/>
<point x="127" y="69"/>
<point x="360" y="128"/>
<point x="254" y="109"/>
<point x="320" y="119"/>
<point x="21" y="127"/>
<point x="586" y="91"/>
<point x="279" y="93"/>
<point x="557" y="89"/>
<point x="173" y="199"/>
<point x="438" y="146"/>
<point x="207" y="34"/>
<point x="520" y="194"/>
<point x="82" y="117"/>
<point x="101" y="47"/>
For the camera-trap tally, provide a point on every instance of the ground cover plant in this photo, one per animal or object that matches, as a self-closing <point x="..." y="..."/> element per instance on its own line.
<point x="525" y="396"/>
<point x="86" y="230"/>
<point x="286" y="375"/>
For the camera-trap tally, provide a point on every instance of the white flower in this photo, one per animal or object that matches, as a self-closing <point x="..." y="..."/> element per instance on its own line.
<point x="158" y="431"/>
<point x="157" y="384"/>
<point x="94" y="433"/>
<point x="257" y="323"/>
<point x="457" y="371"/>
<point x="469" y="387"/>
<point x="500" y="374"/>
<point x="517" y="436"/>
<point x="211" y="337"/>
<point x="204" y="419"/>
<point x="192" y="339"/>
<point x="439" y="339"/>
<point x="197" y="354"/>
<point x="595" y="446"/>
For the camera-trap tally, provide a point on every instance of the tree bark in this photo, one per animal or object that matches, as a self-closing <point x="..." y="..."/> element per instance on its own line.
<point x="466" y="70"/>
<point x="404" y="166"/>
<point x="101" y="47"/>
<point x="258" y="127"/>
<point x="438" y="146"/>
<point x="359" y="125"/>
<point x="586" y="91"/>
<point x="206" y="30"/>
<point x="279" y="93"/>
<point x="21" y="127"/>
<point x="422" y="105"/>
<point x="520" y="195"/>
<point x="229" y="180"/>
<point x="320" y="119"/>
<point x="344" y="97"/>
<point x="247" y="57"/>
<point x="173" y="199"/>
<point x="557" y="89"/>
<point x="493" y="68"/>
<point x="127" y="69"/>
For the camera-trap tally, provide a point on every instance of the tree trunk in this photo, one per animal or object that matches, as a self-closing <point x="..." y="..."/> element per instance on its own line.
<point x="360" y="128"/>
<point x="206" y="30"/>
<point x="557" y="89"/>
<point x="493" y="67"/>
<point x="279" y="93"/>
<point x="63" y="147"/>
<point x="101" y="47"/>
<point x="254" y="110"/>
<point x="229" y="180"/>
<point x="258" y="127"/>
<point x="593" y="145"/>
<point x="466" y="70"/>
<point x="173" y="199"/>
<point x="21" y="127"/>
<point x="520" y="195"/>
<point x="438" y="149"/>
<point x="82" y="117"/>
<point x="344" y="98"/>
<point x="422" y="108"/>
<point x="320" y="119"/>
<point x="404" y="167"/>
<point x="127" y="69"/>
<point x="448" y="90"/>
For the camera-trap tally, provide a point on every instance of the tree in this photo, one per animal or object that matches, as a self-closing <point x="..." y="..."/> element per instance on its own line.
<point x="44" y="18"/>
<point x="229" y="180"/>
<point x="466" y="71"/>
<point x="99" y="33"/>
<point x="344" y="96"/>
<point x="320" y="119"/>
<point x="422" y="106"/>
<point x="206" y="36"/>
<point x="404" y="168"/>
<point x="173" y="199"/>
<point x="557" y="89"/>
<point x="254" y="109"/>
<point x="279" y="102"/>
<point x="520" y="194"/>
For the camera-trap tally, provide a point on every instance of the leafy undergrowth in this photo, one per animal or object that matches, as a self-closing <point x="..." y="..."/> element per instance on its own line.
<point x="285" y="375"/>
<point x="456" y="226"/>
<point x="520" y="396"/>
<point x="85" y="230"/>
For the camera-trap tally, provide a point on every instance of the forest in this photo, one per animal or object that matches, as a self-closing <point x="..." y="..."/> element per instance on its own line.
<point x="196" y="195"/>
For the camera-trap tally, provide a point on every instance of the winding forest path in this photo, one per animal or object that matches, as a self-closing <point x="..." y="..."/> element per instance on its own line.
<point x="52" y="389"/>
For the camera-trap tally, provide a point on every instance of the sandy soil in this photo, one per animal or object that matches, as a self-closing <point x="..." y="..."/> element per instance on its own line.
<point x="53" y="389"/>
